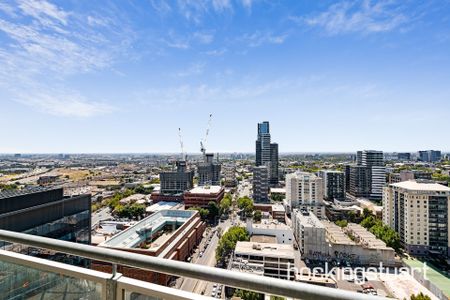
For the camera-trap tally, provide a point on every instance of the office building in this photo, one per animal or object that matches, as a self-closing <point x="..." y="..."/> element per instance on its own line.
<point x="175" y="183"/>
<point x="260" y="184"/>
<point x="46" y="212"/>
<point x="323" y="240"/>
<point x="404" y="156"/>
<point x="367" y="178"/>
<point x="169" y="234"/>
<point x="430" y="155"/>
<point x="403" y="175"/>
<point x="305" y="191"/>
<point x="200" y="196"/>
<point x="267" y="152"/>
<point x="209" y="171"/>
<point x="333" y="184"/>
<point x="419" y="212"/>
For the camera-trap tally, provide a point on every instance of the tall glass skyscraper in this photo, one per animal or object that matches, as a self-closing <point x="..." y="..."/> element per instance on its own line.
<point x="267" y="152"/>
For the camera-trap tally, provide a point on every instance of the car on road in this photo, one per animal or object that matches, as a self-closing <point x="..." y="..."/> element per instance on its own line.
<point x="200" y="254"/>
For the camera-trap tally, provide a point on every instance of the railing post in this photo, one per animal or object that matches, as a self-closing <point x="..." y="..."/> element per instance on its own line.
<point x="111" y="285"/>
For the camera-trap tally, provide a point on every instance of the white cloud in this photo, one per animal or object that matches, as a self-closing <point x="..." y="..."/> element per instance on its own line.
<point x="161" y="6"/>
<point x="193" y="69"/>
<point x="259" y="38"/>
<point x="204" y="38"/>
<point x="43" y="11"/>
<point x="357" y="16"/>
<point x="64" y="104"/>
<point x="252" y="90"/>
<point x="221" y="5"/>
<point x="247" y="3"/>
<point x="45" y="44"/>
<point x="216" y="52"/>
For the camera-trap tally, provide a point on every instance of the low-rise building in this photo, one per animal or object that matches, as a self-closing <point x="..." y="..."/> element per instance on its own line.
<point x="282" y="232"/>
<point x="324" y="240"/>
<point x="272" y="260"/>
<point x="200" y="196"/>
<point x="170" y="234"/>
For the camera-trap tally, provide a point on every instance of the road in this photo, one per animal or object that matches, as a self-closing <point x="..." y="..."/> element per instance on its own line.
<point x="99" y="215"/>
<point x="207" y="259"/>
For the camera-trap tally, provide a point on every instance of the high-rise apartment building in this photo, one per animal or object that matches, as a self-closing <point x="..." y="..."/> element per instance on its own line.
<point x="333" y="184"/>
<point x="305" y="191"/>
<point x="430" y="155"/>
<point x="229" y="174"/>
<point x="209" y="171"/>
<point x="367" y="178"/>
<point x="261" y="184"/>
<point x="267" y="152"/>
<point x="419" y="212"/>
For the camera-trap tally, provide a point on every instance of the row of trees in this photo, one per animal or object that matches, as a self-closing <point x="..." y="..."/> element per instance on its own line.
<point x="209" y="213"/>
<point x="130" y="211"/>
<point x="382" y="231"/>
<point x="228" y="241"/>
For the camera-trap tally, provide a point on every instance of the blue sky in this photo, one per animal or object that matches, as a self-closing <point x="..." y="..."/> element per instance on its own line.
<point x="123" y="76"/>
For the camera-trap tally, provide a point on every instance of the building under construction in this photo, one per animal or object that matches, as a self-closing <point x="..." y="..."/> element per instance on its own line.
<point x="209" y="171"/>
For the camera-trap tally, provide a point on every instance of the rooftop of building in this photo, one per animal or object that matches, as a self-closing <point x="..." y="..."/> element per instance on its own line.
<point x="421" y="186"/>
<point x="308" y="219"/>
<point x="207" y="189"/>
<point x="133" y="236"/>
<point x="336" y="235"/>
<point x="270" y="224"/>
<point x="162" y="205"/>
<point x="259" y="238"/>
<point x="265" y="249"/>
<point x="366" y="237"/>
<point x="26" y="191"/>
<point x="278" y="190"/>
<point x="278" y="207"/>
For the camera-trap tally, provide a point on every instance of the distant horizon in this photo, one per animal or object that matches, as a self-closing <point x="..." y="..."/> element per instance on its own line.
<point x="199" y="154"/>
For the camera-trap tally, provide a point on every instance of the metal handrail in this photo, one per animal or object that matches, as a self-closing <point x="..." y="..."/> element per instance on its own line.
<point x="272" y="286"/>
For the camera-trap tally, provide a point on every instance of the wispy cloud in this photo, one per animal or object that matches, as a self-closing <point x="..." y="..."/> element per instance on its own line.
<point x="259" y="38"/>
<point x="63" y="104"/>
<point x="44" y="44"/>
<point x="193" y="69"/>
<point x="204" y="37"/>
<point x="252" y="90"/>
<point x="357" y="16"/>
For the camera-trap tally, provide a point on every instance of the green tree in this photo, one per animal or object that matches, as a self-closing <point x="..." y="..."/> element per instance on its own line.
<point x="228" y="241"/>
<point x="213" y="209"/>
<point x="341" y="223"/>
<point x="277" y="298"/>
<point x="225" y="204"/>
<point x="277" y="197"/>
<point x="204" y="213"/>
<point x="248" y="295"/>
<point x="420" y="296"/>
<point x="246" y="205"/>
<point x="257" y="215"/>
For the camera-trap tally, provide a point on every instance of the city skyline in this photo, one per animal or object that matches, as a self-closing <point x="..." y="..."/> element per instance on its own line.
<point x="101" y="77"/>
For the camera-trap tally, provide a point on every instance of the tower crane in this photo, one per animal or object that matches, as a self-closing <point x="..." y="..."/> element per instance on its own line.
<point x="181" y="144"/>
<point x="203" y="142"/>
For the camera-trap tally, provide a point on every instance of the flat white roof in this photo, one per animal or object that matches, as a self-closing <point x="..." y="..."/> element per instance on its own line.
<point x="211" y="189"/>
<point x="265" y="249"/>
<point x="421" y="186"/>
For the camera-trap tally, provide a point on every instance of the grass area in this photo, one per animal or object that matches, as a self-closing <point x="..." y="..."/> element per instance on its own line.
<point x="73" y="174"/>
<point x="437" y="278"/>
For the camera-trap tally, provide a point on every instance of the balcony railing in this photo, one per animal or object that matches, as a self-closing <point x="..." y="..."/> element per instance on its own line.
<point x="35" y="275"/>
